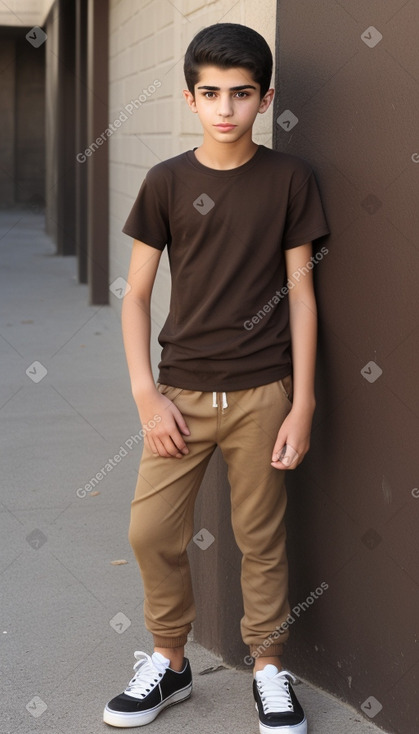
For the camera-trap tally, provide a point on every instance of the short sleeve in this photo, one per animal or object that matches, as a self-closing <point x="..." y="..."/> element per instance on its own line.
<point x="148" y="220"/>
<point x="305" y="219"/>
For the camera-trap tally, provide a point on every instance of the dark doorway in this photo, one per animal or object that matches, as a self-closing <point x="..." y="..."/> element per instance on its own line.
<point x="22" y="119"/>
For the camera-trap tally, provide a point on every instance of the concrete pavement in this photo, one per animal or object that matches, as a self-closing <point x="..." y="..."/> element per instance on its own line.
<point x="70" y="619"/>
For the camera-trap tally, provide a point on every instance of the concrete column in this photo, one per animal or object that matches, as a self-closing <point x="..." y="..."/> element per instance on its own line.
<point x="81" y="138"/>
<point x="97" y="163"/>
<point x="66" y="153"/>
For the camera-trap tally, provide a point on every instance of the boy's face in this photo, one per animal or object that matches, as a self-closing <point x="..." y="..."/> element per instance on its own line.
<point x="227" y="102"/>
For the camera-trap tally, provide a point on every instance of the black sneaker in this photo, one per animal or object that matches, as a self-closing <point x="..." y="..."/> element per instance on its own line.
<point x="153" y="687"/>
<point x="276" y="702"/>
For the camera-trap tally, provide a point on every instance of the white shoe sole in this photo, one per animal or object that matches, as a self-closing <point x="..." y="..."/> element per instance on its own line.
<point x="126" y="720"/>
<point x="296" y="729"/>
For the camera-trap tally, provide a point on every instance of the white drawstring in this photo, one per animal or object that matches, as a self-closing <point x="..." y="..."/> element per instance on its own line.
<point x="214" y="400"/>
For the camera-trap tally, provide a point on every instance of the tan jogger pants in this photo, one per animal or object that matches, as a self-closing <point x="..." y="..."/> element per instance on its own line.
<point x="244" y="424"/>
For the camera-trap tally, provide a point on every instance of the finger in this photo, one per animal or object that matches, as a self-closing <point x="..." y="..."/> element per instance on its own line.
<point x="282" y="467"/>
<point x="170" y="447"/>
<point x="151" y="445"/>
<point x="287" y="456"/>
<point x="178" y="441"/>
<point x="181" y="421"/>
<point x="162" y="448"/>
<point x="278" y="448"/>
<point x="173" y="434"/>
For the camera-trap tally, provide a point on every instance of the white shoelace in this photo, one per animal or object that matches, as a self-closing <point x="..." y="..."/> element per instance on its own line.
<point x="148" y="673"/>
<point x="274" y="690"/>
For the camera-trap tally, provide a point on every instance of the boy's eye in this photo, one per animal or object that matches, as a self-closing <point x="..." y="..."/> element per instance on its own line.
<point x="238" y="95"/>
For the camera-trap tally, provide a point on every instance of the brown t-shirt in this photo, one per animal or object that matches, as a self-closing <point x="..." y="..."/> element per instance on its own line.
<point x="226" y="231"/>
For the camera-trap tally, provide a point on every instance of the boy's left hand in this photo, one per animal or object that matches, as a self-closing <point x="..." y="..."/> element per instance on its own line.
<point x="294" y="435"/>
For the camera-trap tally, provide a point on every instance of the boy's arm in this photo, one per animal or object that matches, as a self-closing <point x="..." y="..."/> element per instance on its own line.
<point x="166" y="437"/>
<point x="296" y="428"/>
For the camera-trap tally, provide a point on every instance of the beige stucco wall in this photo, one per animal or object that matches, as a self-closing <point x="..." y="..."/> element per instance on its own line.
<point x="147" y="44"/>
<point x="24" y="12"/>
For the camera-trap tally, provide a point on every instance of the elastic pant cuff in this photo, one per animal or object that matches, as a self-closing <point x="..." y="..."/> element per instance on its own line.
<point x="260" y="651"/>
<point x="169" y="641"/>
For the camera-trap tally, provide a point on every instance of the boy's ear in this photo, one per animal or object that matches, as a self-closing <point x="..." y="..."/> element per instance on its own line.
<point x="266" y="100"/>
<point x="190" y="99"/>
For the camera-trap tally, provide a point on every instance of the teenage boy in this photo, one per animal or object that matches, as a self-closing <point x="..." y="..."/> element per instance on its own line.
<point x="238" y="220"/>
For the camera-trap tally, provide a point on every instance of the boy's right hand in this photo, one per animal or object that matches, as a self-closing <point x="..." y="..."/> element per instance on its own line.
<point x="166" y="438"/>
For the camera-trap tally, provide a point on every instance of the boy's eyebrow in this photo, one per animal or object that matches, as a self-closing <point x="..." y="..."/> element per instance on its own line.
<point x="232" y="89"/>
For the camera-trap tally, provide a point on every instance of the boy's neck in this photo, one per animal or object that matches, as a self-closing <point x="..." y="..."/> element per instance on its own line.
<point x="225" y="156"/>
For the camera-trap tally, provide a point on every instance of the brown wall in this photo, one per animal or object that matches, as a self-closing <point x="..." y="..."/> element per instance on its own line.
<point x="353" y="511"/>
<point x="352" y="516"/>
<point x="22" y="116"/>
<point x="216" y="570"/>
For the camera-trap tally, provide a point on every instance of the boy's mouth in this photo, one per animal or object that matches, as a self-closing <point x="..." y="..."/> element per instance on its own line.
<point x="225" y="126"/>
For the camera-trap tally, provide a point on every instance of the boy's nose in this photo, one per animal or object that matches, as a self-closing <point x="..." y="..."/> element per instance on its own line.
<point x="225" y="107"/>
